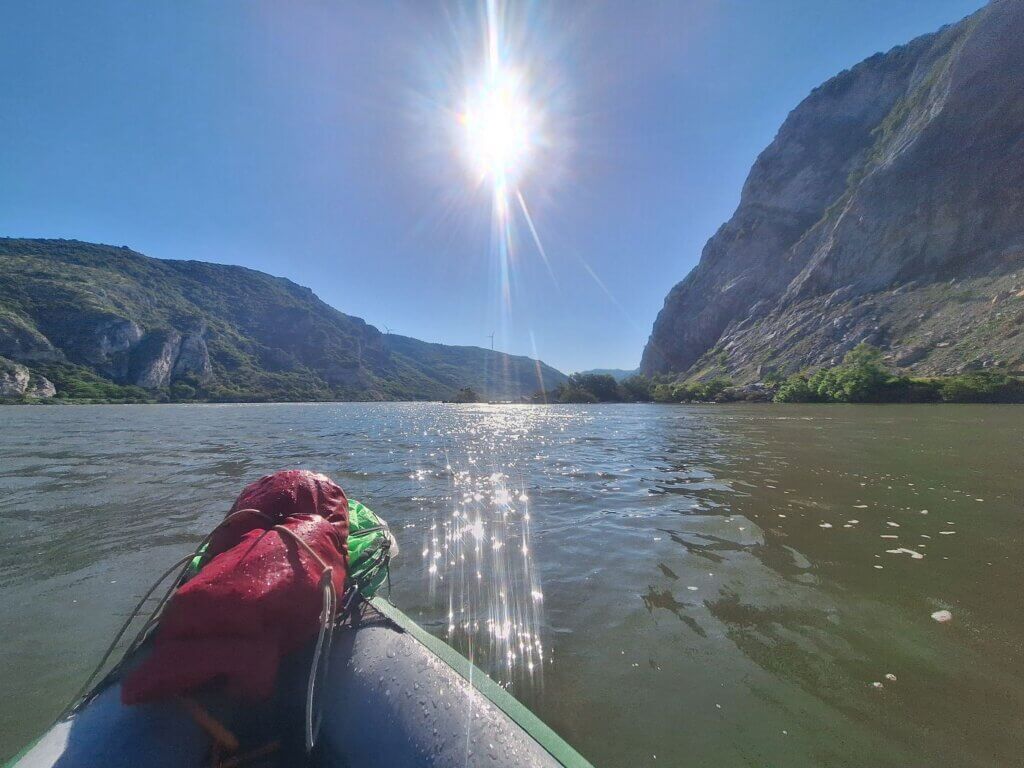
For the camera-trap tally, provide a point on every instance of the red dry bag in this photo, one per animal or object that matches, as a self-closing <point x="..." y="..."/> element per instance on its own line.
<point x="259" y="595"/>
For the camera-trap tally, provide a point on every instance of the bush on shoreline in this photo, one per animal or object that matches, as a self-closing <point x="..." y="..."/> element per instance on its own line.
<point x="603" y="388"/>
<point x="862" y="377"/>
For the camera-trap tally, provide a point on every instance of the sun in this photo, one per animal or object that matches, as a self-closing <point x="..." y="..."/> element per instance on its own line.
<point x="498" y="128"/>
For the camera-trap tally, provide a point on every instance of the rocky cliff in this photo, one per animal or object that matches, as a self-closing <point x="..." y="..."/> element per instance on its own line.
<point x="100" y="317"/>
<point x="16" y="381"/>
<point x="889" y="208"/>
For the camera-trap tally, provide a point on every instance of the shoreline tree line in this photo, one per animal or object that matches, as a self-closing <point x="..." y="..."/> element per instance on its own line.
<point x="862" y="377"/>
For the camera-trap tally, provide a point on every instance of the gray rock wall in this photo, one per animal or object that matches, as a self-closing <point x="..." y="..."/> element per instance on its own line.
<point x="900" y="174"/>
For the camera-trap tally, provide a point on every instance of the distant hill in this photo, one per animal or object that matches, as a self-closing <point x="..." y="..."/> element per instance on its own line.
<point x="101" y="321"/>
<point x="619" y="374"/>
<point x="889" y="209"/>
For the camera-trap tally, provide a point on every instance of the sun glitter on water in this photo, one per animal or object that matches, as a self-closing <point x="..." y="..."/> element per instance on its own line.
<point x="479" y="558"/>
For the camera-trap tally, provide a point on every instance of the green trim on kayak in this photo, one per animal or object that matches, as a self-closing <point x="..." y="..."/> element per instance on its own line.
<point x="24" y="751"/>
<point x="555" y="745"/>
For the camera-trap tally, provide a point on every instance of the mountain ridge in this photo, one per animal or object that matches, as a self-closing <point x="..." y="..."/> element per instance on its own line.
<point x="223" y="331"/>
<point x="619" y="374"/>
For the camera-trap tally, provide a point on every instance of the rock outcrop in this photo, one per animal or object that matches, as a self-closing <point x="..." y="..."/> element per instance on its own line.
<point x="153" y="359"/>
<point x="165" y="355"/>
<point x="889" y="209"/>
<point x="41" y="387"/>
<point x="105" y="340"/>
<point x="193" y="358"/>
<point x="13" y="379"/>
<point x="17" y="381"/>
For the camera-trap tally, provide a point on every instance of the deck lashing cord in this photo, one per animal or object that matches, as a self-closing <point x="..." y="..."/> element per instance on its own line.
<point x="124" y="628"/>
<point x="183" y="564"/>
<point x="325" y="636"/>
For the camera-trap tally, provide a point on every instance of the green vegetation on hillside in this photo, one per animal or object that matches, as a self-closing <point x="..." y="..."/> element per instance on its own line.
<point x="99" y="321"/>
<point x="76" y="383"/>
<point x="862" y="377"/>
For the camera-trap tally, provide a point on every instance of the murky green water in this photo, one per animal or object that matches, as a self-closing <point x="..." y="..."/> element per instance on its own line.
<point x="722" y="586"/>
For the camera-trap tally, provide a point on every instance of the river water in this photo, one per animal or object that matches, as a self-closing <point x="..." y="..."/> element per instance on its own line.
<point x="716" y="585"/>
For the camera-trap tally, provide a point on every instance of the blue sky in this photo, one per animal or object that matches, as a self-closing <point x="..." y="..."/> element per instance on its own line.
<point x="314" y="140"/>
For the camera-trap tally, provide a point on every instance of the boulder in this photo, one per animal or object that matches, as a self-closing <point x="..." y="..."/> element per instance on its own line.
<point x="14" y="379"/>
<point x="17" y="381"/>
<point x="41" y="387"/>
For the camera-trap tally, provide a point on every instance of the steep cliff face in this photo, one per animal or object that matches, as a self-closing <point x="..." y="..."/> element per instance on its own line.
<point x="221" y="331"/>
<point x="887" y="209"/>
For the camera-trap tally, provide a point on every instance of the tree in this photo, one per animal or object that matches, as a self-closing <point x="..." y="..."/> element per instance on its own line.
<point x="601" y="385"/>
<point x="179" y="390"/>
<point x="467" y="395"/>
<point x="861" y="378"/>
<point x="796" y="389"/>
<point x="663" y="393"/>
<point x="571" y="393"/>
<point x="982" y="387"/>
<point x="700" y="391"/>
<point x="638" y="388"/>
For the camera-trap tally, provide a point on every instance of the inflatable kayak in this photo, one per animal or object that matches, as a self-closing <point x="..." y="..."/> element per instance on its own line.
<point x="394" y="696"/>
<point x="388" y="694"/>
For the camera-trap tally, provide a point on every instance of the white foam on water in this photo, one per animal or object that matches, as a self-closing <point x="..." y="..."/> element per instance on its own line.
<point x="904" y="551"/>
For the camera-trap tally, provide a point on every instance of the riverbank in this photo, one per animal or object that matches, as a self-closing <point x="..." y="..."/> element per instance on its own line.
<point x="862" y="377"/>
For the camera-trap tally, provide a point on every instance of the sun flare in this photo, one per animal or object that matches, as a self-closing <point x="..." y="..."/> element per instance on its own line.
<point x="501" y="108"/>
<point x="498" y="126"/>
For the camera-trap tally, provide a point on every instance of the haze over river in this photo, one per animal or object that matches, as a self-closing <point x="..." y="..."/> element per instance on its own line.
<point x="706" y="585"/>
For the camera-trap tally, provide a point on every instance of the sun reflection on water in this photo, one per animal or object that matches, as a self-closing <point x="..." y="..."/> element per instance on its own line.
<point x="478" y="560"/>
